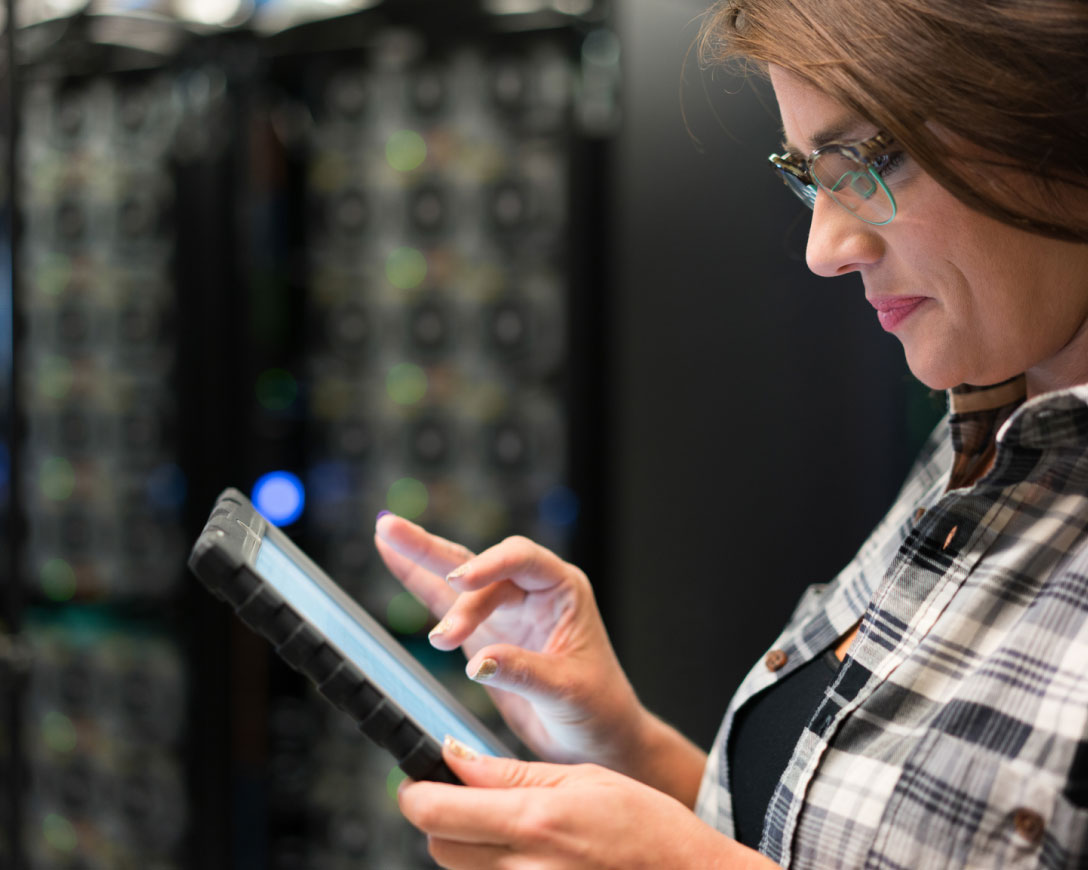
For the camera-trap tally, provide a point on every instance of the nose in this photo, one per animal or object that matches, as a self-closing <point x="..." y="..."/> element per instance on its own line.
<point x="838" y="242"/>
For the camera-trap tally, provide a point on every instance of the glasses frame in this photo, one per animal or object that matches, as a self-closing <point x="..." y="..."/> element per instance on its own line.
<point x="796" y="171"/>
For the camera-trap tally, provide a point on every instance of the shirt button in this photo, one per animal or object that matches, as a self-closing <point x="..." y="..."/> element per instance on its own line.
<point x="918" y="514"/>
<point x="951" y="535"/>
<point x="1029" y="825"/>
<point x="775" y="659"/>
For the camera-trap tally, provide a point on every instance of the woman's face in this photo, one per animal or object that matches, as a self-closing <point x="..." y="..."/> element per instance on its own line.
<point x="972" y="300"/>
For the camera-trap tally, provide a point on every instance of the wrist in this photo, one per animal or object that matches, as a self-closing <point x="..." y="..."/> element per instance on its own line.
<point x="663" y="758"/>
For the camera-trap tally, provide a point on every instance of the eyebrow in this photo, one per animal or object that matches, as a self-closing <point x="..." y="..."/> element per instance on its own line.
<point x="845" y="129"/>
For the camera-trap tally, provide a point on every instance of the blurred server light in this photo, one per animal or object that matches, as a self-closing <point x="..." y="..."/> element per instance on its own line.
<point x="280" y="497"/>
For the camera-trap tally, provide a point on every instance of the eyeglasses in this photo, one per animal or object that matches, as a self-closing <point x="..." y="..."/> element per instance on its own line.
<point x="850" y="173"/>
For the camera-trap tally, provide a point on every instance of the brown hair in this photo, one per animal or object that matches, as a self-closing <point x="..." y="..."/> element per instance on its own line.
<point x="962" y="87"/>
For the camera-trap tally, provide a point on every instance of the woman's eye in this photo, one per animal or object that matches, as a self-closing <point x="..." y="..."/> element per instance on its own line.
<point x="887" y="164"/>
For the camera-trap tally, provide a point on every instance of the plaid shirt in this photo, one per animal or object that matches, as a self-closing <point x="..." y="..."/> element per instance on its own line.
<point x="956" y="732"/>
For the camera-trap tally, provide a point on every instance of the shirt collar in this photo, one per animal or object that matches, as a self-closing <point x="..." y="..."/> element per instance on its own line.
<point x="976" y="416"/>
<point x="966" y="399"/>
<point x="982" y="417"/>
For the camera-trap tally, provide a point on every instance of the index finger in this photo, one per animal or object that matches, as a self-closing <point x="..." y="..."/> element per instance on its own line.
<point x="427" y="586"/>
<point x="436" y="554"/>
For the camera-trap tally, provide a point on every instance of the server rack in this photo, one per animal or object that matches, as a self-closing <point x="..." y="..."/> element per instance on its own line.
<point x="345" y="251"/>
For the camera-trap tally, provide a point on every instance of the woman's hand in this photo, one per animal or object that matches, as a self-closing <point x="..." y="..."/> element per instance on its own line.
<point x="516" y="815"/>
<point x="533" y="635"/>
<point x="529" y="625"/>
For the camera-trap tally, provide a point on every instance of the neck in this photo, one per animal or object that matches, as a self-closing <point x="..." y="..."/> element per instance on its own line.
<point x="1067" y="368"/>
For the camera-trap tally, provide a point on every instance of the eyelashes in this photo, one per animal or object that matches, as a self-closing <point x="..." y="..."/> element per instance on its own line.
<point x="887" y="164"/>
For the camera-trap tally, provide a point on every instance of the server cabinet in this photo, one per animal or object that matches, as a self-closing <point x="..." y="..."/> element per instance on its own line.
<point x="345" y="266"/>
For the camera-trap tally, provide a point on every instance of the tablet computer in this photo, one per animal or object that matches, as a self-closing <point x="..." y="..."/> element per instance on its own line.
<point x="322" y="632"/>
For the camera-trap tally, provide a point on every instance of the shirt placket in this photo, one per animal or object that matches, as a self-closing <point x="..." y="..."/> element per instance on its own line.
<point x="929" y="569"/>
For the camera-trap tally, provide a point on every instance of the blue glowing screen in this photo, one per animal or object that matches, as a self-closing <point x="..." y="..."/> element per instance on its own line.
<point x="382" y="668"/>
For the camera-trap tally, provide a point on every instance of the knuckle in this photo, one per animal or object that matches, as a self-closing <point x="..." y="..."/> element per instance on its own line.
<point x="520" y="547"/>
<point x="525" y="552"/>
<point x="538" y="825"/>
<point x="579" y="577"/>
<point x="517" y="673"/>
<point x="520" y="775"/>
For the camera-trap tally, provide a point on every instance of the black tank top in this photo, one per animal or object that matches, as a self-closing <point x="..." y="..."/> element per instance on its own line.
<point x="764" y="735"/>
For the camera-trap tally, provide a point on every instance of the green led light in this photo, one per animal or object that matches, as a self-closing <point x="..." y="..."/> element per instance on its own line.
<point x="57" y="479"/>
<point x="406" y="383"/>
<point x="58" y="580"/>
<point x="405" y="150"/>
<point x="406" y="268"/>
<point x="59" y="833"/>
<point x="55" y="377"/>
<point x="58" y="732"/>
<point x="406" y="614"/>
<point x="393" y="781"/>
<point x="276" y="390"/>
<point x="408" y="498"/>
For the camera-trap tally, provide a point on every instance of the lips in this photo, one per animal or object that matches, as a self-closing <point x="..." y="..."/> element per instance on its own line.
<point x="893" y="310"/>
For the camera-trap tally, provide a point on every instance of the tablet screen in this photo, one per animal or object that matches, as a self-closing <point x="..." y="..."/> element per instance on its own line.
<point x="382" y="668"/>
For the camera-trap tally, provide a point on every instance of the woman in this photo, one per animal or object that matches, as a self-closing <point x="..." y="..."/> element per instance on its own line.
<point x="929" y="707"/>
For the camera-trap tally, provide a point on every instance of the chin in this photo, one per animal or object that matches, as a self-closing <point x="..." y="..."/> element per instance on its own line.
<point x="937" y="375"/>
<point x="944" y="374"/>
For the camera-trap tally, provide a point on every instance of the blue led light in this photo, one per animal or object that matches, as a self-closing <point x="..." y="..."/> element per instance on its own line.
<point x="330" y="481"/>
<point x="166" y="487"/>
<point x="559" y="507"/>
<point x="279" y="496"/>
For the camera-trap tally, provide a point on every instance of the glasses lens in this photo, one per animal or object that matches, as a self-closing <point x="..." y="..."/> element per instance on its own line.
<point x="805" y="192"/>
<point x="854" y="186"/>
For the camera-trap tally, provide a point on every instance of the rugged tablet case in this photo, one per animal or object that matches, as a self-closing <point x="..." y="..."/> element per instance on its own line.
<point x="222" y="561"/>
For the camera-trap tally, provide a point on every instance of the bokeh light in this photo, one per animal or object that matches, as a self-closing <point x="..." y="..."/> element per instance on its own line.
<point x="408" y="498"/>
<point x="55" y="377"/>
<point x="279" y="497"/>
<point x="405" y="150"/>
<point x="601" y="48"/>
<point x="58" y="732"/>
<point x="53" y="274"/>
<point x="59" y="833"/>
<point x="406" y="383"/>
<point x="393" y="781"/>
<point x="276" y="390"/>
<point x="559" y="507"/>
<point x="57" y="479"/>
<point x="406" y="268"/>
<point x="329" y="481"/>
<point x="166" y="487"/>
<point x="406" y="614"/>
<point x="58" y="580"/>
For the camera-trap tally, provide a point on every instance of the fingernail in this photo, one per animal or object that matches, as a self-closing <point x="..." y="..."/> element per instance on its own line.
<point x="457" y="573"/>
<point x="381" y="514"/>
<point x="486" y="670"/>
<point x="456" y="747"/>
<point x="439" y="629"/>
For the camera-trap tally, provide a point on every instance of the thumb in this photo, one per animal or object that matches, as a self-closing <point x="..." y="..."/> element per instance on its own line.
<point x="486" y="771"/>
<point x="532" y="675"/>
